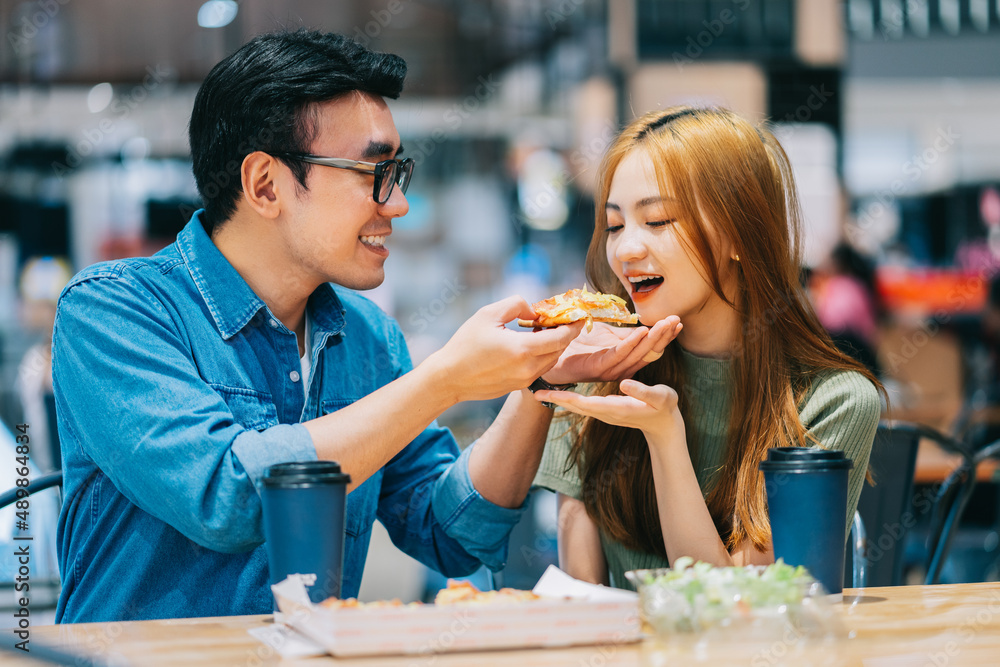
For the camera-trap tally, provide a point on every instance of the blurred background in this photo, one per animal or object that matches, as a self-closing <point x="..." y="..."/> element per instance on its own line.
<point x="888" y="109"/>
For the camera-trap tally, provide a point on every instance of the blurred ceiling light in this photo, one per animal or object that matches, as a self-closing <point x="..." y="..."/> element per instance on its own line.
<point x="891" y="24"/>
<point x="99" y="97"/>
<point x="541" y="190"/>
<point x="217" y="13"/>
<point x="919" y="14"/>
<point x="135" y="149"/>
<point x="979" y="12"/>
<point x="950" y="14"/>
<point x="861" y="18"/>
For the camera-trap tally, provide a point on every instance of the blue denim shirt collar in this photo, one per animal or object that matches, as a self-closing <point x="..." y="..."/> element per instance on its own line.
<point x="230" y="299"/>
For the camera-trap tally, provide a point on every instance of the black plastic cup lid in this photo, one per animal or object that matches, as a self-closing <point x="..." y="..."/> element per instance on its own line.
<point x="788" y="459"/>
<point x="305" y="473"/>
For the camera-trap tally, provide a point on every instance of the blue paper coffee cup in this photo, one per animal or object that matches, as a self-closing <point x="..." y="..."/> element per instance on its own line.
<point x="304" y="505"/>
<point x="807" y="506"/>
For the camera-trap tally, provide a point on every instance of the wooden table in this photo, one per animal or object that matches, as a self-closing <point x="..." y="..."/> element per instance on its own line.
<point x="935" y="464"/>
<point x="908" y="625"/>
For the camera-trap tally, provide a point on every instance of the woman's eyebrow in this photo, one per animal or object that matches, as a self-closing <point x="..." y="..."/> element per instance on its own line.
<point x="645" y="201"/>
<point x="649" y="201"/>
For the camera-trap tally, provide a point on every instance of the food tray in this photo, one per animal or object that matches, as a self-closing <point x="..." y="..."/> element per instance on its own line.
<point x="428" y="629"/>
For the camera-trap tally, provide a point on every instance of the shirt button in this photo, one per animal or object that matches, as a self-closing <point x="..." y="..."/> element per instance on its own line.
<point x="294" y="376"/>
<point x="273" y="322"/>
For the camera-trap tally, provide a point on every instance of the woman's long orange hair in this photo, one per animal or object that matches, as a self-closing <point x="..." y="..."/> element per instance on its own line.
<point x="723" y="169"/>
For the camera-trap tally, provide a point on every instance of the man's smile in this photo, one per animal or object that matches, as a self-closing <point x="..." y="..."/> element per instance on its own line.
<point x="375" y="243"/>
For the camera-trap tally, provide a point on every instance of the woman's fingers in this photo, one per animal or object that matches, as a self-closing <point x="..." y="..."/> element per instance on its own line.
<point x="658" y="396"/>
<point x="613" y="409"/>
<point x="649" y="348"/>
<point x="652" y="409"/>
<point x="626" y="349"/>
<point x="574" y="401"/>
<point x="662" y="334"/>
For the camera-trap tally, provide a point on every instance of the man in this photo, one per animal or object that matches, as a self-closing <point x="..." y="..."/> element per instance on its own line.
<point x="180" y="378"/>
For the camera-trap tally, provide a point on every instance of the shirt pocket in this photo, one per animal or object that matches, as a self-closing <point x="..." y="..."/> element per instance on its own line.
<point x="252" y="409"/>
<point x="362" y="502"/>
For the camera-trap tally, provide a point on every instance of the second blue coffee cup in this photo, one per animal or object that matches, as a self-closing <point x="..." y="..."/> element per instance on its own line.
<point x="304" y="506"/>
<point x="807" y="506"/>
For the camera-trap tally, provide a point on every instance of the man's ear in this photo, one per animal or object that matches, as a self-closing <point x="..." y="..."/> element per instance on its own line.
<point x="260" y="175"/>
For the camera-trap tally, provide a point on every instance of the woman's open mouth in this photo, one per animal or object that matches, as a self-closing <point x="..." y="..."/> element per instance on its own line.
<point x="644" y="284"/>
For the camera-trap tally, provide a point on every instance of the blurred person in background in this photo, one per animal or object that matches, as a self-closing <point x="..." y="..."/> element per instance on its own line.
<point x="180" y="378"/>
<point x="698" y="218"/>
<point x="977" y="423"/>
<point x="42" y="279"/>
<point x="43" y="512"/>
<point x="847" y="303"/>
<point x="991" y="325"/>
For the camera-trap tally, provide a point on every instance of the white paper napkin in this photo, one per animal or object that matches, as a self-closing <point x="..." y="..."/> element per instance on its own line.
<point x="556" y="583"/>
<point x="287" y="642"/>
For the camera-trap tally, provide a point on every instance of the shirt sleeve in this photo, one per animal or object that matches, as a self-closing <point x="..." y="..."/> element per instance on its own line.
<point x="129" y="392"/>
<point x="556" y="472"/>
<point x="842" y="412"/>
<point x="430" y="508"/>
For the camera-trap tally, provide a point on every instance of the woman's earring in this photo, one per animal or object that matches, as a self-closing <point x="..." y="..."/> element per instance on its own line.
<point x="737" y="258"/>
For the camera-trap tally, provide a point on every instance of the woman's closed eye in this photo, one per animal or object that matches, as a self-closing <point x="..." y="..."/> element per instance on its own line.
<point x="611" y="229"/>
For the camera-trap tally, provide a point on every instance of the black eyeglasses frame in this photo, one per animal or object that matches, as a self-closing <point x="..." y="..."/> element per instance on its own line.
<point x="403" y="170"/>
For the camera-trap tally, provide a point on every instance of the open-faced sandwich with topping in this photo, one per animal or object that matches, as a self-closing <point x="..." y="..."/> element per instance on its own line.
<point x="457" y="592"/>
<point x="580" y="304"/>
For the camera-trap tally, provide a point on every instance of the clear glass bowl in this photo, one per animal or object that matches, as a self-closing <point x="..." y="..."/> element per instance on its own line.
<point x="696" y="601"/>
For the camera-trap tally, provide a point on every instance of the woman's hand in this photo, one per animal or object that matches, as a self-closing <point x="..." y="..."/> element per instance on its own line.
<point x="612" y="353"/>
<point x="651" y="409"/>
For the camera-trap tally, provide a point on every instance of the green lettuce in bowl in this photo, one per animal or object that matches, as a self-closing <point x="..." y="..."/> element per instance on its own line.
<point x="755" y="601"/>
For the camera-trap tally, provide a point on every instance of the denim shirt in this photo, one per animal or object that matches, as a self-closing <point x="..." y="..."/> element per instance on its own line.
<point x="175" y="388"/>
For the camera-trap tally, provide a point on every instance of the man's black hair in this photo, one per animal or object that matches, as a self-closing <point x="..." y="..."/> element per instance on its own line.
<point x="258" y="99"/>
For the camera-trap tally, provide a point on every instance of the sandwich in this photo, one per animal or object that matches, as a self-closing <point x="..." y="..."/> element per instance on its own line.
<point x="580" y="304"/>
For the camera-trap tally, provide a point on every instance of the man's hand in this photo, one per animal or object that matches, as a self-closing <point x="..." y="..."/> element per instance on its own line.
<point x="613" y="353"/>
<point x="485" y="359"/>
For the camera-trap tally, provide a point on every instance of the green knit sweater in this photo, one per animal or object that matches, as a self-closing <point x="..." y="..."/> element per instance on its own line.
<point x="841" y="410"/>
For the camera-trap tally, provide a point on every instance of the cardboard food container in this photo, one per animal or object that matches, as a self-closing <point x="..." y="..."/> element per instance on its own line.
<point x="570" y="613"/>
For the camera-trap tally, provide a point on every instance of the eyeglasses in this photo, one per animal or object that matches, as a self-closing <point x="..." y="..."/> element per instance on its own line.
<point x="387" y="172"/>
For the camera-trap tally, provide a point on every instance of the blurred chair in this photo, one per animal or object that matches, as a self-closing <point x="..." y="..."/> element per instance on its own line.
<point x="40" y="484"/>
<point x="950" y="504"/>
<point x="978" y="423"/>
<point x="45" y="584"/>
<point x="890" y="512"/>
<point x="975" y="551"/>
<point x="884" y="515"/>
<point x="856" y="545"/>
<point x="937" y="508"/>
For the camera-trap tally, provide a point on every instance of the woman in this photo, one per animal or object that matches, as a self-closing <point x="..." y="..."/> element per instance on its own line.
<point x="698" y="218"/>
